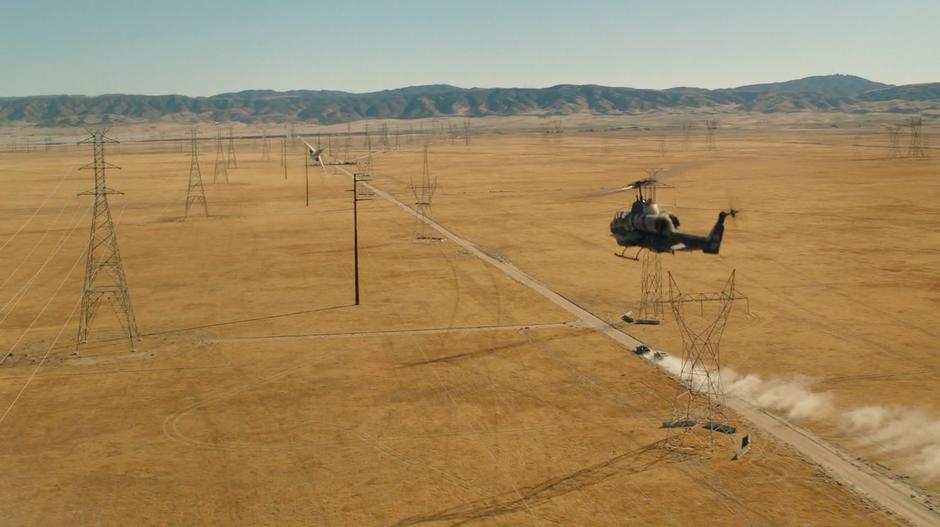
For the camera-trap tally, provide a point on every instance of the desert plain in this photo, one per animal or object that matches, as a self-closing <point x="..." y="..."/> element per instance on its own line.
<point x="454" y="394"/>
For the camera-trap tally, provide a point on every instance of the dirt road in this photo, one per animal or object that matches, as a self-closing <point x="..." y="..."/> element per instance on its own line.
<point x="893" y="496"/>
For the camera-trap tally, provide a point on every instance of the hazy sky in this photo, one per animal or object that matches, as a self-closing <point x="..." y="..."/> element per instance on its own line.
<point x="203" y="48"/>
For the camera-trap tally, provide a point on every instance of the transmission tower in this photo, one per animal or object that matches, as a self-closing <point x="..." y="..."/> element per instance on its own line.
<point x="433" y="134"/>
<point x="918" y="146"/>
<point x="424" y="192"/>
<point x="700" y="397"/>
<point x="195" y="193"/>
<point x="384" y="132"/>
<point x="104" y="271"/>
<point x="651" y="287"/>
<point x="221" y="171"/>
<point x="894" y="141"/>
<point x="466" y="132"/>
<point x="346" y="142"/>
<point x="686" y="134"/>
<point x="230" y="161"/>
<point x="284" y="156"/>
<point x="710" y="127"/>
<point x="265" y="145"/>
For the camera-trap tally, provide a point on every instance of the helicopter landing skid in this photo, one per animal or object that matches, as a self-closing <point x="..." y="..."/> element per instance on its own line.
<point x="635" y="258"/>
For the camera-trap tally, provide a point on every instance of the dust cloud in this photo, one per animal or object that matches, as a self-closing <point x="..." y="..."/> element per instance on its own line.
<point x="912" y="436"/>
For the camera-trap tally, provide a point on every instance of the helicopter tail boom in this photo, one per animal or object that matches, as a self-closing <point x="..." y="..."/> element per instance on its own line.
<point x="714" y="237"/>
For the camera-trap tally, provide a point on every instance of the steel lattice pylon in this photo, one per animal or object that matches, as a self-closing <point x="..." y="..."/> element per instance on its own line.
<point x="104" y="271"/>
<point x="700" y="397"/>
<point x="265" y="145"/>
<point x="284" y="156"/>
<point x="918" y="147"/>
<point x="710" y="127"/>
<point x="220" y="172"/>
<point x="384" y="132"/>
<point x="894" y="136"/>
<point x="230" y="161"/>
<point x="195" y="193"/>
<point x="424" y="193"/>
<point x="651" y="286"/>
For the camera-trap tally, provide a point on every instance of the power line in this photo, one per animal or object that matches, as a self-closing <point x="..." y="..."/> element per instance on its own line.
<point x="55" y="293"/>
<point x="33" y="215"/>
<point x="45" y="233"/>
<point x="42" y="361"/>
<point x="14" y="301"/>
<point x="43" y="309"/>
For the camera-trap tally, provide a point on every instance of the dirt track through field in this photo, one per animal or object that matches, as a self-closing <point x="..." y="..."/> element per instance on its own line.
<point x="892" y="495"/>
<point x="397" y="332"/>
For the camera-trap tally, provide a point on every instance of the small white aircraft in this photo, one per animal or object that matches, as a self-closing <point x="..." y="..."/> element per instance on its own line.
<point x="316" y="154"/>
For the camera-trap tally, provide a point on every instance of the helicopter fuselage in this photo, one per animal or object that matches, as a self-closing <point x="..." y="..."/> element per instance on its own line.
<point x="646" y="227"/>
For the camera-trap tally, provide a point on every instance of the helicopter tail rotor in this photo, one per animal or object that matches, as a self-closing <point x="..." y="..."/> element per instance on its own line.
<point x="733" y="210"/>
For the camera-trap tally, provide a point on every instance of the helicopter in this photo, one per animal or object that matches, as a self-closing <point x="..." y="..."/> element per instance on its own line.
<point x="645" y="226"/>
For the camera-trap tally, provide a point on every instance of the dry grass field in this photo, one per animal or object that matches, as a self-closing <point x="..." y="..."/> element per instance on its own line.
<point x="454" y="395"/>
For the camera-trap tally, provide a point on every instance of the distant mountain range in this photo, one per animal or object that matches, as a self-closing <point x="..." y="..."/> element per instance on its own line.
<point x="820" y="93"/>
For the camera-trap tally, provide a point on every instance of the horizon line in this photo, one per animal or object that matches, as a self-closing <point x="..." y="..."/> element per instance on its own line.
<point x="444" y="84"/>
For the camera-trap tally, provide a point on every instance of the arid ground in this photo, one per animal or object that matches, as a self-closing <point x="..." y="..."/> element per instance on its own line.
<point x="453" y="394"/>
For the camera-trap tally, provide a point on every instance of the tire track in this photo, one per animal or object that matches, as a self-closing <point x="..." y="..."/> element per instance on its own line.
<point x="397" y="332"/>
<point x="498" y="389"/>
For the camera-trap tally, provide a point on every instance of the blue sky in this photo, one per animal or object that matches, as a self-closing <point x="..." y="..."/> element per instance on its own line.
<point x="203" y="48"/>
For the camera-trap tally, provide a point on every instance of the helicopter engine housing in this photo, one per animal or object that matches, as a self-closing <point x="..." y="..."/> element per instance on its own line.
<point x="662" y="223"/>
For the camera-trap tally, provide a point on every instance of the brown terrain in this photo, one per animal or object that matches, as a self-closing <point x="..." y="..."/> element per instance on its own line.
<point x="455" y="394"/>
